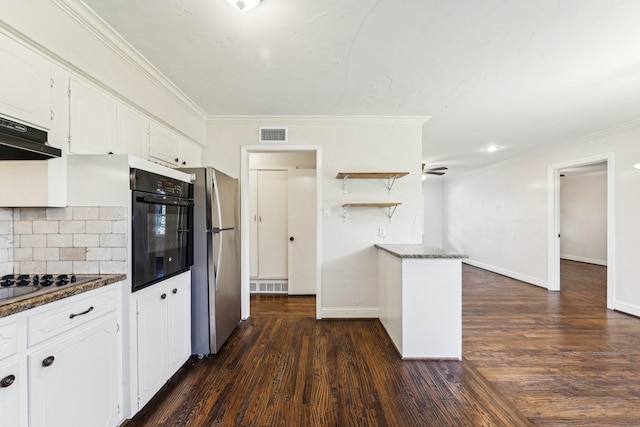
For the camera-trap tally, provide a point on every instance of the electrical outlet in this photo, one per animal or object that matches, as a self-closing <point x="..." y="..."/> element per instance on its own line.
<point x="382" y="232"/>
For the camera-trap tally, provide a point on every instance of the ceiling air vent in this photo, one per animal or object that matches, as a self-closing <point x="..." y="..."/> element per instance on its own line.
<point x="273" y="134"/>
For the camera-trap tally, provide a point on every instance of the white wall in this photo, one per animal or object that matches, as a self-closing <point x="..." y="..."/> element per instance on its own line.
<point x="349" y="272"/>
<point x="298" y="160"/>
<point x="82" y="51"/>
<point x="583" y="217"/>
<point x="432" y="190"/>
<point x="498" y="215"/>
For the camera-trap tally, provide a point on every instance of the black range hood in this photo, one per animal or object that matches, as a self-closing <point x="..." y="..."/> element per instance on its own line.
<point x="22" y="142"/>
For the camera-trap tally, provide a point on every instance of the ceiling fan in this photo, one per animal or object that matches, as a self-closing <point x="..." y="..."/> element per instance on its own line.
<point x="434" y="171"/>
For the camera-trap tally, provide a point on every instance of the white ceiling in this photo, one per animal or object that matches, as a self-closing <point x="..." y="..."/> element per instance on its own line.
<point x="521" y="74"/>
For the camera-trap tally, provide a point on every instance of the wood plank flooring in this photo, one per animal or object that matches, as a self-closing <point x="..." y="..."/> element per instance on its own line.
<point x="278" y="305"/>
<point x="531" y="357"/>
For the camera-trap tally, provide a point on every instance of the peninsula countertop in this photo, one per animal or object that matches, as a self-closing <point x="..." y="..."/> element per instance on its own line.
<point x="419" y="251"/>
<point x="52" y="294"/>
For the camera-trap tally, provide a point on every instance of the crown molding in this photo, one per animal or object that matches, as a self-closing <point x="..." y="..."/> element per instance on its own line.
<point x="86" y="17"/>
<point x="320" y="119"/>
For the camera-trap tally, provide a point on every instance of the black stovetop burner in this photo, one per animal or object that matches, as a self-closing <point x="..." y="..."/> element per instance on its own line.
<point x="45" y="280"/>
<point x="15" y="287"/>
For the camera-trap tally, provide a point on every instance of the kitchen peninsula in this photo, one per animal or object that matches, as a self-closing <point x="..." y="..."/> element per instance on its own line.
<point x="420" y="300"/>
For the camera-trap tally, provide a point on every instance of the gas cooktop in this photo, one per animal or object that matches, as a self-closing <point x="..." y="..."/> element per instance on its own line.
<point x="21" y="286"/>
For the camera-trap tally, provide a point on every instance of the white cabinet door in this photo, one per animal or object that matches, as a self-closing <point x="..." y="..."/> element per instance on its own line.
<point x="152" y="341"/>
<point x="25" y="87"/>
<point x="74" y="381"/>
<point x="253" y="229"/>
<point x="272" y="224"/>
<point x="179" y="325"/>
<point x="164" y="333"/>
<point x="11" y="385"/>
<point x="165" y="145"/>
<point x="190" y="154"/>
<point x="133" y="132"/>
<point x="92" y="121"/>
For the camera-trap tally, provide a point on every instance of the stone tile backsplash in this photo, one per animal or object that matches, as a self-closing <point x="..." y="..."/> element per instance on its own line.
<point x="78" y="240"/>
<point x="6" y="241"/>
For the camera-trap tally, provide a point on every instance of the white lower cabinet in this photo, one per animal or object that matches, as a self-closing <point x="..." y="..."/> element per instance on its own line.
<point x="152" y="342"/>
<point x="61" y="363"/>
<point x="164" y="333"/>
<point x="179" y="326"/>
<point x="11" y="385"/>
<point x="73" y="381"/>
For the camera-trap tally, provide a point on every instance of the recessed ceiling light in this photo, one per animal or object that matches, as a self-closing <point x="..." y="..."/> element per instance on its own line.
<point x="491" y="148"/>
<point x="637" y="166"/>
<point x="244" y="4"/>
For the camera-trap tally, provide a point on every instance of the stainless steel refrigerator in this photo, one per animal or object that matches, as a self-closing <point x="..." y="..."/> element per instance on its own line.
<point x="215" y="275"/>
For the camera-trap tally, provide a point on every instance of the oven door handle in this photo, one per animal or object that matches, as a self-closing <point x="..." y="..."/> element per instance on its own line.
<point x="163" y="201"/>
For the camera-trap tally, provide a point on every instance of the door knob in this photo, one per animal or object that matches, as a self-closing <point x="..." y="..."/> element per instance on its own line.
<point x="291" y="239"/>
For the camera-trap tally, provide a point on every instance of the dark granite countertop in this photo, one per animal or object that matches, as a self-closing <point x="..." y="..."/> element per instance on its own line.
<point x="419" y="251"/>
<point x="49" y="295"/>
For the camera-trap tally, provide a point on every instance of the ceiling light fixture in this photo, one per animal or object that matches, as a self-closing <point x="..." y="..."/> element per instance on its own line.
<point x="492" y="148"/>
<point x="244" y="4"/>
<point x="637" y="166"/>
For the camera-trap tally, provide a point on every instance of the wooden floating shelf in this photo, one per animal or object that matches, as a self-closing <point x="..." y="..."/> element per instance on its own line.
<point x="389" y="176"/>
<point x="371" y="175"/>
<point x="391" y="205"/>
<point x="376" y="204"/>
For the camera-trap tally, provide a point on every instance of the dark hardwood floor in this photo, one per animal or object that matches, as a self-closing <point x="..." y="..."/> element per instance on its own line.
<point x="530" y="357"/>
<point x="278" y="305"/>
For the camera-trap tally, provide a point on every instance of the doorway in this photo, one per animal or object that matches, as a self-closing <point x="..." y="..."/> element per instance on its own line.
<point x="283" y="176"/>
<point x="554" y="219"/>
<point x="583" y="230"/>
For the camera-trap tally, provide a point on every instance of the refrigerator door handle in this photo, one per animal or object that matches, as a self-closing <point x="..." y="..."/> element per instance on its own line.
<point x="217" y="230"/>
<point x="217" y="195"/>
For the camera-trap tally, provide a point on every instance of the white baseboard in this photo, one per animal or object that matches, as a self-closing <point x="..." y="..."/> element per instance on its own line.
<point x="508" y="273"/>
<point x="350" y="313"/>
<point x="634" y="310"/>
<point x="583" y="259"/>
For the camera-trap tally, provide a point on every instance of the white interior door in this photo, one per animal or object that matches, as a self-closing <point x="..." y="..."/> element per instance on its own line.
<point x="272" y="224"/>
<point x="302" y="213"/>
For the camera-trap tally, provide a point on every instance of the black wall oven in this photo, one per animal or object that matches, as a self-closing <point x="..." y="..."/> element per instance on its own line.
<point x="162" y="227"/>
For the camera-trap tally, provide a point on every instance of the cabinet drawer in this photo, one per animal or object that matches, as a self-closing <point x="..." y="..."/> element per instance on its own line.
<point x="8" y="340"/>
<point x="67" y="315"/>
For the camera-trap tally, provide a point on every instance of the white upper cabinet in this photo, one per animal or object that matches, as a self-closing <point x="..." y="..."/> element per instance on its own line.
<point x="190" y="154"/>
<point x="92" y="121"/>
<point x="133" y="132"/>
<point x="165" y="145"/>
<point x="25" y="87"/>
<point x="170" y="149"/>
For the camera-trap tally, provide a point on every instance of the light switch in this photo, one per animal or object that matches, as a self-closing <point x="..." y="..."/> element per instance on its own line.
<point x="327" y="211"/>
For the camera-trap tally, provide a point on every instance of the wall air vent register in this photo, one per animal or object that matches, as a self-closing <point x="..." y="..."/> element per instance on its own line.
<point x="273" y="134"/>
